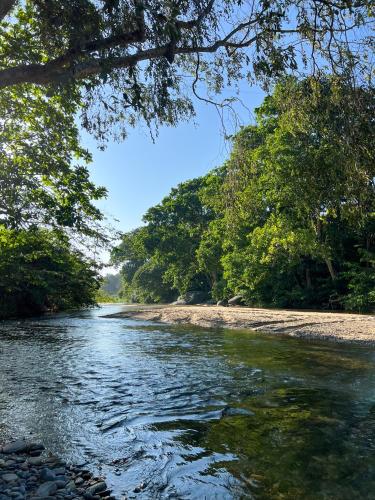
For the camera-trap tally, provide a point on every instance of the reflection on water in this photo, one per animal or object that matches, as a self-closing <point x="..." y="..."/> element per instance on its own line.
<point x="183" y="412"/>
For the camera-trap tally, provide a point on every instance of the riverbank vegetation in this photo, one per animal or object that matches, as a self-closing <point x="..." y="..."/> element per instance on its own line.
<point x="287" y="221"/>
<point x="40" y="271"/>
<point x="259" y="224"/>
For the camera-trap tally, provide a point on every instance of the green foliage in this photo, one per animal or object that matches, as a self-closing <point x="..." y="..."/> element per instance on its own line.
<point x="301" y="197"/>
<point x="288" y="221"/>
<point x="361" y="283"/>
<point x="131" y="60"/>
<point x="167" y="257"/>
<point x="39" y="271"/>
<point x="44" y="178"/>
<point x="111" y="284"/>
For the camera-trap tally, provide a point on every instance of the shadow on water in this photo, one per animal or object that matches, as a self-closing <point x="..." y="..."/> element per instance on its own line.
<point x="185" y="412"/>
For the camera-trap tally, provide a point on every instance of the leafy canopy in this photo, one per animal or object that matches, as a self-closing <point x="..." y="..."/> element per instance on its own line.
<point x="44" y="178"/>
<point x="39" y="271"/>
<point x="289" y="220"/>
<point x="143" y="59"/>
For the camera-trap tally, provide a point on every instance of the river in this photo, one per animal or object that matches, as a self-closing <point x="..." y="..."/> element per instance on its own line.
<point x="192" y="413"/>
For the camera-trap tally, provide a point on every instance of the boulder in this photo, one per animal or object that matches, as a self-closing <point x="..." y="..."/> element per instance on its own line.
<point x="46" y="489"/>
<point x="190" y="298"/>
<point x="21" y="446"/>
<point x="195" y="297"/>
<point x="179" y="302"/>
<point x="236" y="300"/>
<point x="223" y="302"/>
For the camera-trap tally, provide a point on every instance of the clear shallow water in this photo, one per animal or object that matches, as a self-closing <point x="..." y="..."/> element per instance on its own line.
<point x="193" y="413"/>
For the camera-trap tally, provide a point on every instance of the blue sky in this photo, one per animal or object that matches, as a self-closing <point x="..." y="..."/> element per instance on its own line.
<point x="139" y="173"/>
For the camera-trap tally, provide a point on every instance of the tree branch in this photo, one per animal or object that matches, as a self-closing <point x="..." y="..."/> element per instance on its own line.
<point x="5" y="7"/>
<point x="57" y="70"/>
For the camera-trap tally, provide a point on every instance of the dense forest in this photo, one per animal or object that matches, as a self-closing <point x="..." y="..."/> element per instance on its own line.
<point x="287" y="221"/>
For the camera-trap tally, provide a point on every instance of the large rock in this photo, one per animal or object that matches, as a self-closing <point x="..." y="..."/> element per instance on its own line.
<point x="46" y="489"/>
<point x="96" y="488"/>
<point x="236" y="300"/>
<point x="223" y="302"/>
<point x="190" y="298"/>
<point x="195" y="297"/>
<point x="21" y="446"/>
<point x="179" y="302"/>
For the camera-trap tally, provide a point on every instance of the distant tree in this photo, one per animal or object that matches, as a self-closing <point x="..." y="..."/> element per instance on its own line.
<point x="111" y="284"/>
<point x="163" y="257"/>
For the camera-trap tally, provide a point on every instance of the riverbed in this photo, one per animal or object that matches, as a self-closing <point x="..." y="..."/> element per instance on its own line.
<point x="188" y="412"/>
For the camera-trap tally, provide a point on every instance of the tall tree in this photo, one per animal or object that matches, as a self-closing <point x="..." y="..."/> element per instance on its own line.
<point x="137" y="59"/>
<point x="302" y="186"/>
<point x="44" y="178"/>
<point x="168" y="255"/>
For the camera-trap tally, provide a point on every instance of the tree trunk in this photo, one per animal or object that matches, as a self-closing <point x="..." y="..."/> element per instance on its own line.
<point x="308" y="278"/>
<point x="331" y="269"/>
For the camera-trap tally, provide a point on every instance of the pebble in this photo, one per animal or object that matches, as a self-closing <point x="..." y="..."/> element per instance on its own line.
<point x="47" y="475"/>
<point x="8" y="478"/>
<point x="34" y="461"/>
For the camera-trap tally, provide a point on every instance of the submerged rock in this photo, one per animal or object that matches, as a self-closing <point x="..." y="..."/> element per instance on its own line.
<point x="234" y="412"/>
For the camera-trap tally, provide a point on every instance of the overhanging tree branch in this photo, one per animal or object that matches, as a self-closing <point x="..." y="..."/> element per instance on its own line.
<point x="5" y="7"/>
<point x="65" y="67"/>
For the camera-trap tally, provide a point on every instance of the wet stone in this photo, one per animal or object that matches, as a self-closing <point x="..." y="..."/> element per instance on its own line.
<point x="35" y="461"/>
<point x="47" y="475"/>
<point x="46" y="489"/>
<point x="96" y="488"/>
<point x="22" y="446"/>
<point x="24" y="477"/>
<point x="8" y="478"/>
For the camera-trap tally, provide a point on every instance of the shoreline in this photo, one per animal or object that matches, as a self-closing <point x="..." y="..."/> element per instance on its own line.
<point x="332" y="326"/>
<point x="27" y="471"/>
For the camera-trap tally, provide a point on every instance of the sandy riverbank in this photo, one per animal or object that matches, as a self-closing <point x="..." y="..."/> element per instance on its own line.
<point x="339" y="327"/>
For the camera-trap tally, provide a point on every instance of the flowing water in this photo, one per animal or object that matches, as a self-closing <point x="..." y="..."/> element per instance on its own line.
<point x="192" y="413"/>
